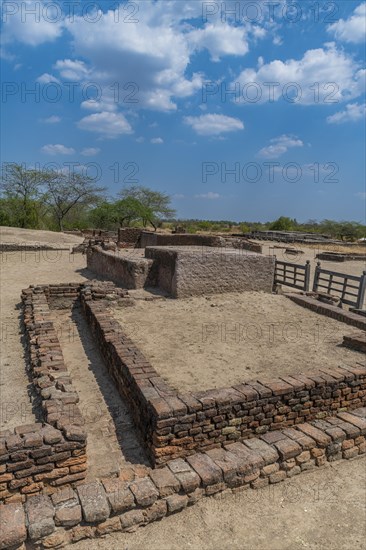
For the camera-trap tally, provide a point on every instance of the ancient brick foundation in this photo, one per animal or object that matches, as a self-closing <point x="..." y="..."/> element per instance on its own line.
<point x="139" y="495"/>
<point x="175" y="425"/>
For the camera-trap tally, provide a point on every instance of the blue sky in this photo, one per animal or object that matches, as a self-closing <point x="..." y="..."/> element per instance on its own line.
<point x="239" y="110"/>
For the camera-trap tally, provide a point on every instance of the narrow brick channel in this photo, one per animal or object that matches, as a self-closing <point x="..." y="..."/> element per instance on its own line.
<point x="112" y="439"/>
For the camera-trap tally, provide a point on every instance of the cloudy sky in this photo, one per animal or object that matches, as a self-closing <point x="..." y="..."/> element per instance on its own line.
<point x="240" y="110"/>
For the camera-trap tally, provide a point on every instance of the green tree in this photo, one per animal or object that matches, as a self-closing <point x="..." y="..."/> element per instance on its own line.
<point x="22" y="189"/>
<point x="150" y="206"/>
<point x="282" y="224"/>
<point x="65" y="193"/>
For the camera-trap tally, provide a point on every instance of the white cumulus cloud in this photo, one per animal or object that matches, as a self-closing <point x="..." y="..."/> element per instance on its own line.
<point x="279" y="146"/>
<point x="352" y="29"/>
<point x="90" y="151"/>
<point x="213" y="124"/>
<point x="338" y="75"/>
<point x="352" y="113"/>
<point x="53" y="119"/>
<point x="157" y="141"/>
<point x="109" y="125"/>
<point x="32" y="22"/>
<point x="46" y="78"/>
<point x="57" y="149"/>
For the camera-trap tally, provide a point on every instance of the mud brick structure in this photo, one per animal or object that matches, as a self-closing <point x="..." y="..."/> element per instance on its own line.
<point x="190" y="271"/>
<point x="130" y="272"/>
<point x="128" y="237"/>
<point x="139" y="495"/>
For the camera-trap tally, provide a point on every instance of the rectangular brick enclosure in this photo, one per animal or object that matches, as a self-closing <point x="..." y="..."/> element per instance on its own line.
<point x="175" y="424"/>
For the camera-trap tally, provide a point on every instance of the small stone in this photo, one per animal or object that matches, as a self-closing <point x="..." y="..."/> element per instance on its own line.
<point x="40" y="514"/>
<point x="350" y="453"/>
<point x="82" y="532"/>
<point x="277" y="477"/>
<point x="195" y="496"/>
<point x="94" y="502"/>
<point x="68" y="515"/>
<point x="294" y="471"/>
<point x="157" y="511"/>
<point x="303" y="457"/>
<point x="56" y="540"/>
<point x="176" y="503"/>
<point x="119" y="495"/>
<point x="270" y="469"/>
<point x="308" y="465"/>
<point x="131" y="520"/>
<point x="260" y="482"/>
<point x="207" y="470"/>
<point x="109" y="526"/>
<point x="12" y="520"/>
<point x="165" y="481"/>
<point x="144" y="491"/>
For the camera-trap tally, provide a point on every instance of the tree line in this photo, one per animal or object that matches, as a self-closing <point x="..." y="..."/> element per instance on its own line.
<point x="43" y="199"/>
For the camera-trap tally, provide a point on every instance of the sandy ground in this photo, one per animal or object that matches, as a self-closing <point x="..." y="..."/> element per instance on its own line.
<point x="212" y="342"/>
<point x="31" y="236"/>
<point x="320" y="510"/>
<point x="353" y="267"/>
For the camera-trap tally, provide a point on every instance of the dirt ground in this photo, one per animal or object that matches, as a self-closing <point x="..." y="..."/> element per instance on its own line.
<point x="320" y="510"/>
<point x="31" y="236"/>
<point x="216" y="341"/>
<point x="352" y="267"/>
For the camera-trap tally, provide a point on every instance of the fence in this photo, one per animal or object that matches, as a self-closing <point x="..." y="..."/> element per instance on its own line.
<point x="294" y="275"/>
<point x="349" y="288"/>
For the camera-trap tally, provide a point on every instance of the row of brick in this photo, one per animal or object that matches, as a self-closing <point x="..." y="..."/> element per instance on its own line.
<point x="140" y="495"/>
<point x="355" y="340"/>
<point x="334" y="312"/>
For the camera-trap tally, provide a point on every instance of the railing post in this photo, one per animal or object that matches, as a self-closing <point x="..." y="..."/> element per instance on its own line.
<point x="361" y="291"/>
<point x="316" y="277"/>
<point x="307" y="276"/>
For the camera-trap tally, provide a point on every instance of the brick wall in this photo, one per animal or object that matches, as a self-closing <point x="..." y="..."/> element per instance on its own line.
<point x="139" y="495"/>
<point x="129" y="272"/>
<point x="128" y="236"/>
<point x="179" y="239"/>
<point x="185" y="271"/>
